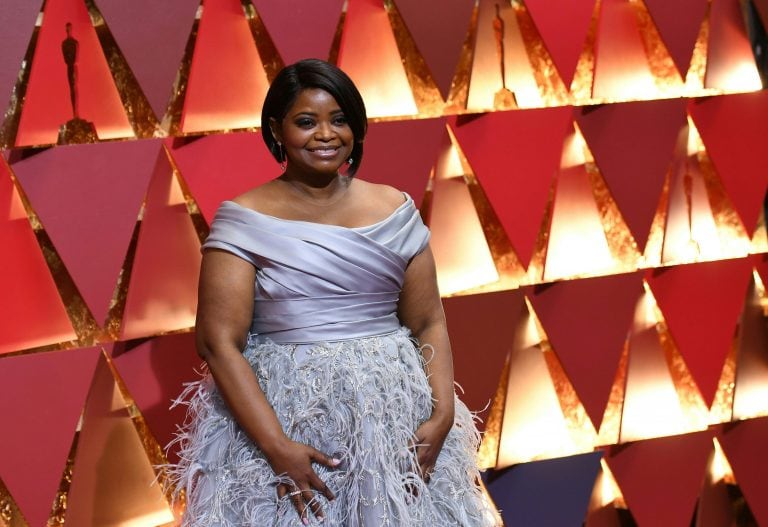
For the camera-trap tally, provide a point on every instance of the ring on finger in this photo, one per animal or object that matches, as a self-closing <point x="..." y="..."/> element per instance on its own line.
<point x="294" y="493"/>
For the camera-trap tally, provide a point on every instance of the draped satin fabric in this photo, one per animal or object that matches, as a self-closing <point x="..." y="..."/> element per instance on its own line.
<point x="317" y="282"/>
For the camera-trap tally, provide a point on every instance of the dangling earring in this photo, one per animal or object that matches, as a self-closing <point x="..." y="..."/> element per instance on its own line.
<point x="281" y="156"/>
<point x="350" y="160"/>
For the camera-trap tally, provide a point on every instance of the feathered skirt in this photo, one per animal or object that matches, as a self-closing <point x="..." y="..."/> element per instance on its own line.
<point x="357" y="400"/>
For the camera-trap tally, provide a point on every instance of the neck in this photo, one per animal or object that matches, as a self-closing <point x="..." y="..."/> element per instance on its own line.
<point x="319" y="189"/>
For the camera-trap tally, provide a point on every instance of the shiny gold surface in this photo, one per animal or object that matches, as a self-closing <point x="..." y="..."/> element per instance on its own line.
<point x="270" y="57"/>
<point x="622" y="245"/>
<point x="734" y="240"/>
<point x="578" y="422"/>
<point x="171" y="121"/>
<point x="694" y="78"/>
<point x="610" y="427"/>
<point x="117" y="303"/>
<point x="201" y="227"/>
<point x="666" y="76"/>
<point x="77" y="131"/>
<point x="551" y="86"/>
<point x="511" y="271"/>
<point x="487" y="456"/>
<point x="759" y="243"/>
<point x="459" y="91"/>
<point x="583" y="79"/>
<point x="691" y="401"/>
<point x="137" y="108"/>
<point x="12" y="116"/>
<point x="10" y="515"/>
<point x="59" y="510"/>
<point x="333" y="54"/>
<point x="535" y="271"/>
<point x="425" y="91"/>
<point x="655" y="242"/>
<point x="721" y="410"/>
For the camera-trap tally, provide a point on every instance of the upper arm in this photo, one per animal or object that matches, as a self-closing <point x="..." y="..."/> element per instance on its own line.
<point x="225" y="301"/>
<point x="420" y="305"/>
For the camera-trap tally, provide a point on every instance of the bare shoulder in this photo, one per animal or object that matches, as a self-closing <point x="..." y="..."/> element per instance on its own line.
<point x="384" y="197"/>
<point x="258" y="195"/>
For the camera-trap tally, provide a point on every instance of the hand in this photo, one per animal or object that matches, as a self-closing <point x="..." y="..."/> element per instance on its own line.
<point x="429" y="439"/>
<point x="294" y="460"/>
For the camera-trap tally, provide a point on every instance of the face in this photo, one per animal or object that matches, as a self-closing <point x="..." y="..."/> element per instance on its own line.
<point x="315" y="133"/>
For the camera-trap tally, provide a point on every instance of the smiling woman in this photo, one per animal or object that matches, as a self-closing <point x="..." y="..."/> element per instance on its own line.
<point x="316" y="290"/>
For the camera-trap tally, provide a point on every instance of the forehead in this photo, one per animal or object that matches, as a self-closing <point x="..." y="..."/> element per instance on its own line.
<point x="314" y="100"/>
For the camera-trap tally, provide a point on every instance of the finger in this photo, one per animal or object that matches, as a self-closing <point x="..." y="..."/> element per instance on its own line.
<point x="282" y="490"/>
<point x="299" y="505"/>
<point x="328" y="461"/>
<point x="313" y="504"/>
<point x="321" y="487"/>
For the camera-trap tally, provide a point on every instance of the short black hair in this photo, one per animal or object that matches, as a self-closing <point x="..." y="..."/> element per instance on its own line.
<point x="308" y="74"/>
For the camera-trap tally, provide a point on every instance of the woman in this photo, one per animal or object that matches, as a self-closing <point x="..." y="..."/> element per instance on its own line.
<point x="318" y="406"/>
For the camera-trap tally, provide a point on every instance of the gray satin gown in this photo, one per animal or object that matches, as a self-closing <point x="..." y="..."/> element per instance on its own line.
<point x="342" y="375"/>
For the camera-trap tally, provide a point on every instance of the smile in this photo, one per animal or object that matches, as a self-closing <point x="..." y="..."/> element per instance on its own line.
<point x="325" y="151"/>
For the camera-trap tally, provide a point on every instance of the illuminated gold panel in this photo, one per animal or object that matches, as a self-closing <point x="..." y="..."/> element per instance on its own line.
<point x="113" y="479"/>
<point x="369" y="55"/>
<point x="462" y="256"/>
<point x="502" y="76"/>
<point x="577" y="242"/>
<point x="622" y="70"/>
<point x="488" y="454"/>
<point x="701" y="224"/>
<point x="533" y="425"/>
<point x="751" y="390"/>
<point x="651" y="406"/>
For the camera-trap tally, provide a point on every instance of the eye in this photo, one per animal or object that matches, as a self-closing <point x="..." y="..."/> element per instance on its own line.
<point x="305" y="122"/>
<point x="340" y="120"/>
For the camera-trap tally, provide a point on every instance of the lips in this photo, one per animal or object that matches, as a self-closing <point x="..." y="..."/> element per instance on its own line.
<point x="324" y="151"/>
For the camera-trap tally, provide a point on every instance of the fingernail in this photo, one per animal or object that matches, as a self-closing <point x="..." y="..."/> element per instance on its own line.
<point x="305" y="521"/>
<point x="335" y="462"/>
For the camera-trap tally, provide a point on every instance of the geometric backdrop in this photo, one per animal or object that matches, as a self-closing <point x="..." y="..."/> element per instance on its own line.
<point x="593" y="172"/>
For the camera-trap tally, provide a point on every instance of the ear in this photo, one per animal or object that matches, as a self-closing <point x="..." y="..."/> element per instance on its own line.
<point x="274" y="127"/>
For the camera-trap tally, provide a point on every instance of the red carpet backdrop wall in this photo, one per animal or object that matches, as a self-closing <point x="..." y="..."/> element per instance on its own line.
<point x="594" y="173"/>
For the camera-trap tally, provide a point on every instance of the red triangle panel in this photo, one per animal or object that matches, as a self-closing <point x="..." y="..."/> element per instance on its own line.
<point x="222" y="166"/>
<point x="515" y="156"/>
<point x="440" y="49"/>
<point x="162" y="294"/>
<point x="678" y="32"/>
<point x="744" y="445"/>
<point x="414" y="144"/>
<point x="701" y="304"/>
<point x="154" y="373"/>
<point x="587" y="323"/>
<point x="301" y="29"/>
<point x="152" y="36"/>
<point x="482" y="330"/>
<point x="661" y="478"/>
<point x="41" y="397"/>
<point x="88" y="198"/>
<point x="17" y="18"/>
<point x="734" y="128"/>
<point x="563" y="25"/>
<point x="31" y="311"/>
<point x="633" y="145"/>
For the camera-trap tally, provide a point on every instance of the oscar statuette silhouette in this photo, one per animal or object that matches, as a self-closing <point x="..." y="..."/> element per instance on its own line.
<point x="503" y="99"/>
<point x="76" y="130"/>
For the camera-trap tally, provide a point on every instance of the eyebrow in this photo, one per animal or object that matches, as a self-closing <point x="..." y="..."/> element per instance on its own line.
<point x="314" y="114"/>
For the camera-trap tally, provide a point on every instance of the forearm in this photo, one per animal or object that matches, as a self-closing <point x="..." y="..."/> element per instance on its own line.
<point x="436" y="349"/>
<point x="239" y="387"/>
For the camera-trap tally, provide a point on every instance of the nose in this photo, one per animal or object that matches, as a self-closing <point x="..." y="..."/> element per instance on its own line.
<point x="324" y="131"/>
